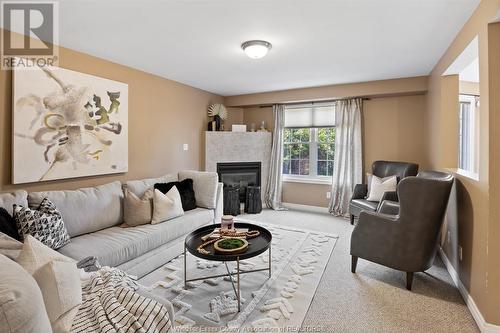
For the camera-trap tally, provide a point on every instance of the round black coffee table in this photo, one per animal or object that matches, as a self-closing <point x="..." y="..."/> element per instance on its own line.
<point x="257" y="245"/>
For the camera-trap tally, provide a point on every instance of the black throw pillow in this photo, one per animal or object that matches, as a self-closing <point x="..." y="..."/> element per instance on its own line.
<point x="185" y="188"/>
<point x="8" y="224"/>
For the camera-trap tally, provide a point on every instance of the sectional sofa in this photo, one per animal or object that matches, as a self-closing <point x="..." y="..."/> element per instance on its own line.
<point x="93" y="217"/>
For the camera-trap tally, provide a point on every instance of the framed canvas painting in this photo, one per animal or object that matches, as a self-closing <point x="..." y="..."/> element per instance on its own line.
<point x="67" y="124"/>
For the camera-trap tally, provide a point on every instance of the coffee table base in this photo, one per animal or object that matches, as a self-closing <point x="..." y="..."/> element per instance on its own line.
<point x="238" y="273"/>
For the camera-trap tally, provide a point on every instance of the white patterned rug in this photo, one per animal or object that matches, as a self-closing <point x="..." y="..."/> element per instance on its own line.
<point x="299" y="258"/>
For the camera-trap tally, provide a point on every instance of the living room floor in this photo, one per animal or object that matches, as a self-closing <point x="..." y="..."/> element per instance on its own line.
<point x="375" y="299"/>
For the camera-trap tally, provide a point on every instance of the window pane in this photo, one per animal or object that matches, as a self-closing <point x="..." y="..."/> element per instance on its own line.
<point x="287" y="135"/>
<point x="294" y="164"/>
<point x="286" y="167"/>
<point x="330" y="168"/>
<point x="287" y="152"/>
<point x="322" y="151"/>
<point x="322" y="168"/>
<point x="304" y="151"/>
<point x="294" y="150"/>
<point x="304" y="167"/>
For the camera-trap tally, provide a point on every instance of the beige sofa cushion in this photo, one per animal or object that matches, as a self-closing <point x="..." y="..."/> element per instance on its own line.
<point x="7" y="200"/>
<point x="115" y="246"/>
<point x="61" y="289"/>
<point x="204" y="185"/>
<point x="87" y="209"/>
<point x="138" y="187"/>
<point x="21" y="304"/>
<point x="137" y="211"/>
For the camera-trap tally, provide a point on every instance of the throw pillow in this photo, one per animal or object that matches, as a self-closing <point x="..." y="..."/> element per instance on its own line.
<point x="137" y="211"/>
<point x="186" y="191"/>
<point x="61" y="289"/>
<point x="8" y="224"/>
<point x="45" y="224"/>
<point x="21" y="303"/>
<point x="35" y="254"/>
<point x="379" y="186"/>
<point x="166" y="206"/>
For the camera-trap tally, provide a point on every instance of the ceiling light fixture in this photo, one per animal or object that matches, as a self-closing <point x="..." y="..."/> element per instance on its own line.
<point x="256" y="49"/>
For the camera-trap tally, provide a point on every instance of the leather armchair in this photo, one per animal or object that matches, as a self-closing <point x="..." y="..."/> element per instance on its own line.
<point x="380" y="169"/>
<point x="408" y="241"/>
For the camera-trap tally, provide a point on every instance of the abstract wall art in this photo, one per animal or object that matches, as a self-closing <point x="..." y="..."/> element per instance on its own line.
<point x="67" y="124"/>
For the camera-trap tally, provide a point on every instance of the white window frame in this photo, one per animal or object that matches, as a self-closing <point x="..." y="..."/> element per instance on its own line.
<point x="472" y="171"/>
<point x="313" y="177"/>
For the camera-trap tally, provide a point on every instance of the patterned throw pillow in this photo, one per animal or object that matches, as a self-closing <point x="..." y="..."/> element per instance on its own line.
<point x="45" y="224"/>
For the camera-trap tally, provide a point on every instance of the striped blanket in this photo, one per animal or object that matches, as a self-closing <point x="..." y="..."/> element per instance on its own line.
<point x="111" y="304"/>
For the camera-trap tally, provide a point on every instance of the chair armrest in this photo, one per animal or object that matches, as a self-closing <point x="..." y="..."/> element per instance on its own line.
<point x="391" y="196"/>
<point x="218" y="212"/>
<point x="360" y="191"/>
<point x="374" y="235"/>
<point x="388" y="207"/>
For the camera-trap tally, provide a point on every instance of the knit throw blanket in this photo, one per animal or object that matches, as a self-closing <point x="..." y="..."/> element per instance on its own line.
<point x="111" y="304"/>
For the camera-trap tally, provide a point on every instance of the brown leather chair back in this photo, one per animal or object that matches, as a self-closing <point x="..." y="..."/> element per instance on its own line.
<point x="389" y="168"/>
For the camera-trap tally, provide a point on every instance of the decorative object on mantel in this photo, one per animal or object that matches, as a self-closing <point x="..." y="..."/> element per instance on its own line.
<point x="219" y="113"/>
<point x="252" y="127"/>
<point x="67" y="124"/>
<point x="239" y="128"/>
<point x="263" y="126"/>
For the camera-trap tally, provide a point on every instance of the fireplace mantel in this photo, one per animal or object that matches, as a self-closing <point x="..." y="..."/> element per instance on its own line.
<point x="238" y="147"/>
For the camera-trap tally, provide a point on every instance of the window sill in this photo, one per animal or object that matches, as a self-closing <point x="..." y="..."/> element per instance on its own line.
<point x="308" y="180"/>
<point x="465" y="173"/>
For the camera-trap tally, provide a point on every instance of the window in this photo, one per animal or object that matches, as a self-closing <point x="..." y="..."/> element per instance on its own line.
<point x="467" y="135"/>
<point x="308" y="153"/>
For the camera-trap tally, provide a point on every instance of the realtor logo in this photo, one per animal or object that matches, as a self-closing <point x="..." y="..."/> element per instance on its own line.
<point x="29" y="36"/>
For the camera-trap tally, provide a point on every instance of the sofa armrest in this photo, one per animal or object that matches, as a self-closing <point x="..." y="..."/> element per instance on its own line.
<point x="388" y="207"/>
<point x="391" y="196"/>
<point x="219" y="211"/>
<point x="360" y="191"/>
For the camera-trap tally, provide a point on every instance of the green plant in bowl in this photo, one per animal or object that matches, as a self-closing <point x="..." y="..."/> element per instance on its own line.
<point x="231" y="243"/>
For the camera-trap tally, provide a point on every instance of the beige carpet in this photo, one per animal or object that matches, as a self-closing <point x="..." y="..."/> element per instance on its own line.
<point x="374" y="299"/>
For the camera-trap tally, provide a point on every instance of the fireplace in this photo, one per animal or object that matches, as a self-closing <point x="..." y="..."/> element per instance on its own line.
<point x="240" y="174"/>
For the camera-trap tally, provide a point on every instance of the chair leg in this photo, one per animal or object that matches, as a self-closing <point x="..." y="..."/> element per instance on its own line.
<point x="409" y="280"/>
<point x="354" y="263"/>
<point x="352" y="219"/>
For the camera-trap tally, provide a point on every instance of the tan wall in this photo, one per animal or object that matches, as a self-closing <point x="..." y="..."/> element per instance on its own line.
<point x="493" y="305"/>
<point x="163" y="115"/>
<point x="469" y="88"/>
<point x="405" y="86"/>
<point x="469" y="216"/>
<point x="235" y="116"/>
<point x="393" y="128"/>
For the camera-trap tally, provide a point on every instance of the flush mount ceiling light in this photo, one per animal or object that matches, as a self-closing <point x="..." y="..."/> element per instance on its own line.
<point x="256" y="49"/>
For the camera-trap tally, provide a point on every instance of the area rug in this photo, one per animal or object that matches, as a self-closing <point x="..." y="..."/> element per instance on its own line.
<point x="278" y="303"/>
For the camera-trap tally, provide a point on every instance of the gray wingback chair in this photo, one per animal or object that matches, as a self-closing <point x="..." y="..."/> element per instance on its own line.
<point x="407" y="242"/>
<point x="380" y="169"/>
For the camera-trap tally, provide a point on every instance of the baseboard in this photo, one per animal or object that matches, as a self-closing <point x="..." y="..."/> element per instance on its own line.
<point x="315" y="209"/>
<point x="484" y="327"/>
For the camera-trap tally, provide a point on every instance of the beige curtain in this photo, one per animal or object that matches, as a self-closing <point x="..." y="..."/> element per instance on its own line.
<point x="347" y="168"/>
<point x="274" y="181"/>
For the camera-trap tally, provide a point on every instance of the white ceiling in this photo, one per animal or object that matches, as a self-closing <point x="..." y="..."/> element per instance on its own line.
<point x="315" y="42"/>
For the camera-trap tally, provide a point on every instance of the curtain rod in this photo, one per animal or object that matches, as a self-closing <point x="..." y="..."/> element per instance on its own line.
<point x="313" y="102"/>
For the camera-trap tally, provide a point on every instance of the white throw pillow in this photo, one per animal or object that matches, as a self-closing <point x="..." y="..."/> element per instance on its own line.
<point x="21" y="303"/>
<point x="379" y="186"/>
<point x="166" y="206"/>
<point x="35" y="254"/>
<point x="205" y="187"/>
<point x="61" y="289"/>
